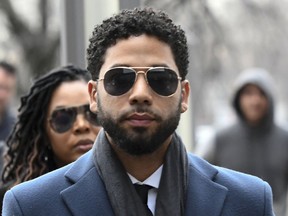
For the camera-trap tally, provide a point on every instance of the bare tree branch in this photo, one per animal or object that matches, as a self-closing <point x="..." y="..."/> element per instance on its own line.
<point x="39" y="47"/>
<point x="43" y="9"/>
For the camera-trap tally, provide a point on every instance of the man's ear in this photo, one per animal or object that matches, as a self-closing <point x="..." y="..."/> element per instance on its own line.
<point x="92" y="90"/>
<point x="185" y="91"/>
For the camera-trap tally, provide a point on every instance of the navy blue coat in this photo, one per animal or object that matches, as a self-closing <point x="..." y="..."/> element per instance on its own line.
<point x="77" y="189"/>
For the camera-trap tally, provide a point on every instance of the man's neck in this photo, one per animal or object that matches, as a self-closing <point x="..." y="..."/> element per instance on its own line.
<point x="141" y="167"/>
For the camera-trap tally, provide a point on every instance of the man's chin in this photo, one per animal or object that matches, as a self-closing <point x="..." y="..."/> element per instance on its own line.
<point x="138" y="144"/>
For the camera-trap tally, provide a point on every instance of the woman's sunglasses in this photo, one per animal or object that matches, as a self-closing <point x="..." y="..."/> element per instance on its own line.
<point x="62" y="120"/>
<point x="119" y="80"/>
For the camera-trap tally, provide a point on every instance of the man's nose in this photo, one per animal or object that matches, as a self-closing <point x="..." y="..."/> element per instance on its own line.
<point x="140" y="92"/>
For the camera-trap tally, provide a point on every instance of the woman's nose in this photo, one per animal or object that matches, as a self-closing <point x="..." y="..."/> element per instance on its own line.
<point x="81" y="124"/>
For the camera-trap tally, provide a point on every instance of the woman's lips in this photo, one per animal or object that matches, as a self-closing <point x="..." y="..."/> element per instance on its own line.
<point x="84" y="145"/>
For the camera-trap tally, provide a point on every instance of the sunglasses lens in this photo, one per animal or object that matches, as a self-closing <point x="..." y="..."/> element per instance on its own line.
<point x="62" y="119"/>
<point x="90" y="116"/>
<point x="163" y="81"/>
<point x="118" y="81"/>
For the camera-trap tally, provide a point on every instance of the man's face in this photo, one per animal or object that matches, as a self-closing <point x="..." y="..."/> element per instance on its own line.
<point x="7" y="88"/>
<point x="139" y="121"/>
<point x="253" y="103"/>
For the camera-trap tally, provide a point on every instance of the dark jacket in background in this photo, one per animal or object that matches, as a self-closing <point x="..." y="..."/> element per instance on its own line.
<point x="6" y="125"/>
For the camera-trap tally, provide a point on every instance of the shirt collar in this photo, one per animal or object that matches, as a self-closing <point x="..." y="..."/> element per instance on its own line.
<point x="153" y="180"/>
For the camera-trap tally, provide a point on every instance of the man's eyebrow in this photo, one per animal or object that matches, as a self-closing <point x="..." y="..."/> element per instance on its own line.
<point x="153" y="65"/>
<point x="159" y="65"/>
<point x="120" y="65"/>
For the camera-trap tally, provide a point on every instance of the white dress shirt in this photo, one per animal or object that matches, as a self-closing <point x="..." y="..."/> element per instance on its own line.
<point x="154" y="181"/>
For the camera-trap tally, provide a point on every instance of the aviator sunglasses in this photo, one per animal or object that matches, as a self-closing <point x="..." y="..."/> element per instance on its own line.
<point x="63" y="119"/>
<point x="162" y="80"/>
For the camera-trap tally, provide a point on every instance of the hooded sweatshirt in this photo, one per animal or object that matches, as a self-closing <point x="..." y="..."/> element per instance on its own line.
<point x="260" y="150"/>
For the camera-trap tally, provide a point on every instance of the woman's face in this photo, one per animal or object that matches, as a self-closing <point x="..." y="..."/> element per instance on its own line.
<point x="71" y="142"/>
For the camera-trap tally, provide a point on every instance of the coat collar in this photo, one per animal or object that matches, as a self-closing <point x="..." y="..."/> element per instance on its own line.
<point x="87" y="193"/>
<point x="204" y="196"/>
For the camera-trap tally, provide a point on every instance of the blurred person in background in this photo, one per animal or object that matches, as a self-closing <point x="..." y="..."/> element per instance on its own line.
<point x="254" y="144"/>
<point x="55" y="126"/>
<point x="7" y="93"/>
<point x="7" y="113"/>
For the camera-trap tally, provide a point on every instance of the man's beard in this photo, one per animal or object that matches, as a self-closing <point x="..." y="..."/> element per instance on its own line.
<point x="139" y="140"/>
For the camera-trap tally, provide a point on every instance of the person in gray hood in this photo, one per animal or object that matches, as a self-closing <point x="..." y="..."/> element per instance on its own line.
<point x="254" y="144"/>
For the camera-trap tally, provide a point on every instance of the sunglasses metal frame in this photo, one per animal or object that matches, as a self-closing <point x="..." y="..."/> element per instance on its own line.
<point x="80" y="110"/>
<point x="144" y="71"/>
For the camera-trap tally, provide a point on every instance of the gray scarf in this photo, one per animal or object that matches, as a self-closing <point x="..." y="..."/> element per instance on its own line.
<point x="123" y="197"/>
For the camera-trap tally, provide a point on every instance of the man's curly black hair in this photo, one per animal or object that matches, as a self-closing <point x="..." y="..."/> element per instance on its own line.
<point x="135" y="23"/>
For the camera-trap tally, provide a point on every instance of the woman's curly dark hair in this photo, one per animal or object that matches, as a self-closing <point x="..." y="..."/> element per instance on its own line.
<point x="29" y="154"/>
<point x="134" y="23"/>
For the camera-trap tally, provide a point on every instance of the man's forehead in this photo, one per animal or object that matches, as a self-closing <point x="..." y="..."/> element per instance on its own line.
<point x="252" y="86"/>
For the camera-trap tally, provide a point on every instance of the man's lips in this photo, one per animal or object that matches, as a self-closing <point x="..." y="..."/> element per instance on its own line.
<point x="140" y="120"/>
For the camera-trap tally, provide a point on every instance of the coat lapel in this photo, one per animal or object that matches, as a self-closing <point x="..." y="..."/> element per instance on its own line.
<point x="87" y="194"/>
<point x="204" y="197"/>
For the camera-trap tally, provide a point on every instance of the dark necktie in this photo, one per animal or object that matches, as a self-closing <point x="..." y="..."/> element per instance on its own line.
<point x="142" y="191"/>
